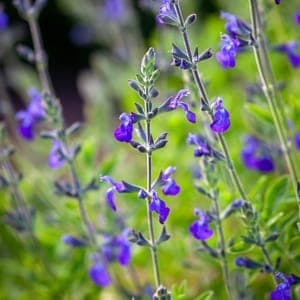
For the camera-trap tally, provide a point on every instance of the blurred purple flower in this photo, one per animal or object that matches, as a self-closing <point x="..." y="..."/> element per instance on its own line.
<point x="283" y="288"/>
<point x="56" y="157"/>
<point x="277" y="1"/>
<point x="297" y="140"/>
<point x="290" y="49"/>
<point x="114" y="10"/>
<point x="167" y="14"/>
<point x="3" y="20"/>
<point x="169" y="185"/>
<point x="221" y="121"/>
<point x="234" y="26"/>
<point x="73" y="241"/>
<point x="256" y="156"/>
<point x="228" y="50"/>
<point x="202" y="146"/>
<point x="176" y="102"/>
<point x="124" y="132"/>
<point x="31" y="116"/>
<point x="118" y="248"/>
<point x="159" y="206"/>
<point x="100" y="275"/>
<point x="200" y="229"/>
<point x="297" y="17"/>
<point x="116" y="187"/>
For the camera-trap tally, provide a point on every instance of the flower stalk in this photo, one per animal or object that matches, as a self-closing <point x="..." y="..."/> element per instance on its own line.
<point x="274" y="100"/>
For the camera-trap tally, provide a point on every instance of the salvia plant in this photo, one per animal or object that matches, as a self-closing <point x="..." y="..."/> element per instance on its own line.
<point x="193" y="192"/>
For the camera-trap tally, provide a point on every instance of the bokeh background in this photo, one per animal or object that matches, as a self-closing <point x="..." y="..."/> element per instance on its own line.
<point x="92" y="54"/>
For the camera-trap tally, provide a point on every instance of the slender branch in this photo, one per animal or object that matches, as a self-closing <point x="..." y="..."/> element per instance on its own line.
<point x="222" y="246"/>
<point x="273" y="98"/>
<point x="149" y="183"/>
<point x="202" y="91"/>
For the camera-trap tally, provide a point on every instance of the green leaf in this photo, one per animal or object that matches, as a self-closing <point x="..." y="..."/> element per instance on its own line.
<point x="259" y="112"/>
<point x="207" y="295"/>
<point x="275" y="194"/>
<point x="240" y="248"/>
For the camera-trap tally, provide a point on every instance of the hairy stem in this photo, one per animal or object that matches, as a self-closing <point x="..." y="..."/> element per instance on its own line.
<point x="149" y="182"/>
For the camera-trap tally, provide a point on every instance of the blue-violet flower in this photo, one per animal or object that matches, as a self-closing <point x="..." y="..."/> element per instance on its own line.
<point x="200" y="229"/>
<point x="159" y="206"/>
<point x="124" y="132"/>
<point x="290" y="49"/>
<point x="56" y="157"/>
<point x="31" y="116"/>
<point x="256" y="156"/>
<point x="221" y="121"/>
<point x="176" y="101"/>
<point x="167" y="14"/>
<point x="116" y="187"/>
<point x="100" y="275"/>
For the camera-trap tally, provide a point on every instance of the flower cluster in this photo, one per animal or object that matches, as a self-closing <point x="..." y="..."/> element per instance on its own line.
<point x="31" y="116"/>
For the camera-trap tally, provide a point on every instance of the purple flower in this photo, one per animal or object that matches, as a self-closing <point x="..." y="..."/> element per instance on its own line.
<point x="116" y="187"/>
<point x="124" y="132"/>
<point x="175" y="102"/>
<point x="169" y="186"/>
<point x="234" y="26"/>
<point x="31" y="116"/>
<point x="228" y="50"/>
<point x="100" y="275"/>
<point x="283" y="288"/>
<point x="56" y="157"/>
<point x="297" y="17"/>
<point x="277" y="1"/>
<point x="3" y="20"/>
<point x="118" y="248"/>
<point x="290" y="49"/>
<point x="297" y="140"/>
<point x="114" y="10"/>
<point x="202" y="146"/>
<point x="167" y="14"/>
<point x="221" y="121"/>
<point x="73" y="241"/>
<point x="200" y="229"/>
<point x="159" y="206"/>
<point x="256" y="156"/>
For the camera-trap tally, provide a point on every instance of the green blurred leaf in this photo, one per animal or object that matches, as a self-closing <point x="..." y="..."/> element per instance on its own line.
<point x="275" y="194"/>
<point x="206" y="295"/>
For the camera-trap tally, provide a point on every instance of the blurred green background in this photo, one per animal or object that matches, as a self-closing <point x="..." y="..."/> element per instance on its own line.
<point x="90" y="73"/>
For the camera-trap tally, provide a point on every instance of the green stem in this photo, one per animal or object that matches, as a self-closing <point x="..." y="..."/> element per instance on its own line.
<point x="40" y="55"/>
<point x="149" y="183"/>
<point x="202" y="91"/>
<point x="83" y="214"/>
<point x="269" y="88"/>
<point x="222" y="246"/>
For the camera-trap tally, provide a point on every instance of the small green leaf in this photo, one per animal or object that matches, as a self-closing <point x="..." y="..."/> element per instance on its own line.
<point x="259" y="112"/>
<point x="207" y="295"/>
